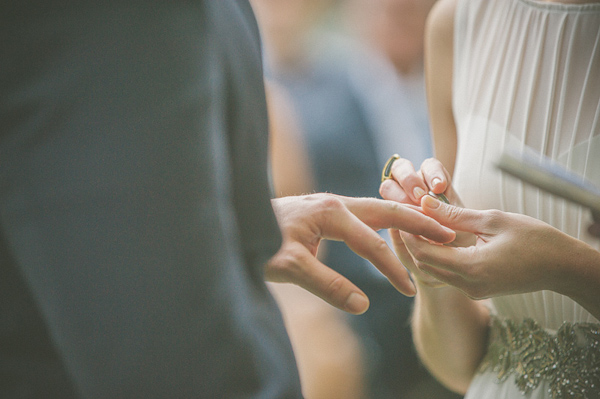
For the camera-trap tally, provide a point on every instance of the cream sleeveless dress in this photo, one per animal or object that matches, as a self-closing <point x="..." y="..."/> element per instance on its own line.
<point x="527" y="77"/>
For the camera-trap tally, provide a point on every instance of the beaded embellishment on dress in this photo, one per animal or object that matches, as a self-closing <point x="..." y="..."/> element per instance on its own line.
<point x="569" y="360"/>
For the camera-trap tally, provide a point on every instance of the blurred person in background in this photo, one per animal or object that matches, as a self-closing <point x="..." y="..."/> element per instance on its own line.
<point x="327" y="350"/>
<point x="353" y="73"/>
<point x="386" y="68"/>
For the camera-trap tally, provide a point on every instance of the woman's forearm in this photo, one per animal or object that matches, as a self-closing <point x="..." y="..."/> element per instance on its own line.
<point x="579" y="278"/>
<point x="450" y="333"/>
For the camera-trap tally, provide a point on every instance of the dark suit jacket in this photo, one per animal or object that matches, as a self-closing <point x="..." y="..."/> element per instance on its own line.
<point x="134" y="204"/>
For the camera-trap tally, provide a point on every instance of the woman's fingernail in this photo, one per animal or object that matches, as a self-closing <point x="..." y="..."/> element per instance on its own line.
<point x="435" y="182"/>
<point x="418" y="192"/>
<point x="357" y="303"/>
<point x="431" y="202"/>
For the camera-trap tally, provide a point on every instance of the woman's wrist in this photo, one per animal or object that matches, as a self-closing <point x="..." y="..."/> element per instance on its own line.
<point x="435" y="290"/>
<point x="579" y="275"/>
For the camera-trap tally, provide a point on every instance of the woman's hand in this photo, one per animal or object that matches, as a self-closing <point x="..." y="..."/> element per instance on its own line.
<point x="418" y="276"/>
<point x="305" y="220"/>
<point x="512" y="254"/>
<point x="409" y="186"/>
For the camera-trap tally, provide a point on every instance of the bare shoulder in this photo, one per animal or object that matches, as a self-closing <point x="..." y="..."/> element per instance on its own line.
<point x="440" y="23"/>
<point x="439" y="40"/>
<point x="439" y="54"/>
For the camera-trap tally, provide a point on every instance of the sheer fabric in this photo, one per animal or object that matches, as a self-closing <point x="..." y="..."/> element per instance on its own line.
<point x="527" y="77"/>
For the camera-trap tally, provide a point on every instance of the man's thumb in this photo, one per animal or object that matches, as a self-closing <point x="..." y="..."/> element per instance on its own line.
<point x="456" y="218"/>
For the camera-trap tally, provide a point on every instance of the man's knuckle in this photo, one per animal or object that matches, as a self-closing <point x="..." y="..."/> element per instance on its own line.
<point x="395" y="207"/>
<point x="331" y="203"/>
<point x="379" y="244"/>
<point x="335" y="286"/>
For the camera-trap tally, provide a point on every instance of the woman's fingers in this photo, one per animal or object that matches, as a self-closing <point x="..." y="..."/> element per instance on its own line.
<point x="435" y="175"/>
<point x="391" y="190"/>
<point x="411" y="181"/>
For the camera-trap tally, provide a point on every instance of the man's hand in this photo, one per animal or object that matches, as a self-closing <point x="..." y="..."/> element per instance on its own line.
<point x="305" y="220"/>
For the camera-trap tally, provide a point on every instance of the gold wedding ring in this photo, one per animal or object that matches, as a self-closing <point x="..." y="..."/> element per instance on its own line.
<point x="386" y="174"/>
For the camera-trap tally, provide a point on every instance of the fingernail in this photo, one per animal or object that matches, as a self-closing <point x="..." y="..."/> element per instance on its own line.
<point x="414" y="290"/>
<point x="435" y="182"/>
<point x="418" y="192"/>
<point x="357" y="303"/>
<point x="431" y="202"/>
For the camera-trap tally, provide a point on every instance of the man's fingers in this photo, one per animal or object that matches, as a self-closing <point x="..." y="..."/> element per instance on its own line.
<point x="329" y="285"/>
<point x="367" y="243"/>
<point x="380" y="214"/>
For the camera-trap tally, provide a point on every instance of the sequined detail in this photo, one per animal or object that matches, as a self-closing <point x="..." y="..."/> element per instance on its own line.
<point x="569" y="360"/>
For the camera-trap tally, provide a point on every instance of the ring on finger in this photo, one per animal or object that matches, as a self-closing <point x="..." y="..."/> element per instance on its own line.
<point x="386" y="174"/>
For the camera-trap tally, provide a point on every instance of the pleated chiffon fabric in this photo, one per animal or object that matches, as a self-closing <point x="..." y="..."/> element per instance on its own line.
<point x="527" y="78"/>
